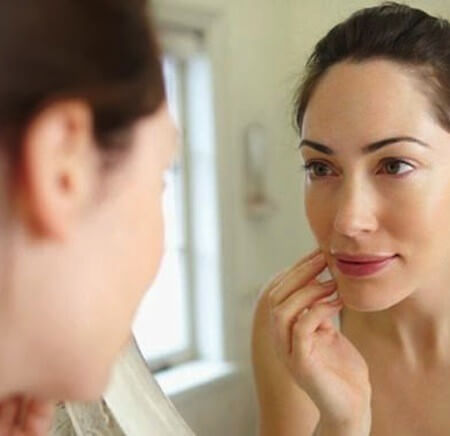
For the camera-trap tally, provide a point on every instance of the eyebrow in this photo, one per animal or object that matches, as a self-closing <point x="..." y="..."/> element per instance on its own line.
<point x="370" y="148"/>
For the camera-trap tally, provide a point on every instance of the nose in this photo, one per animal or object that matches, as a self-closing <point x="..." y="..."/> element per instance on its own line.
<point x="355" y="209"/>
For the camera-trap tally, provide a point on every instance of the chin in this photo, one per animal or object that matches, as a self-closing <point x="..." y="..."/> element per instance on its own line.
<point x="371" y="303"/>
<point x="83" y="385"/>
<point x="366" y="307"/>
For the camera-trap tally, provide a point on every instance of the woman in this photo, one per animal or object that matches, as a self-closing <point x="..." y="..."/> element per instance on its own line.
<point x="374" y="118"/>
<point x="85" y="138"/>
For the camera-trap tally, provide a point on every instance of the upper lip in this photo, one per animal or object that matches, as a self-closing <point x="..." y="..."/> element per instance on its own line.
<point x="362" y="257"/>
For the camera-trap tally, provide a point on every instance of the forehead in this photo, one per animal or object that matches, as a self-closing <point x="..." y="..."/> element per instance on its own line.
<point x="363" y="102"/>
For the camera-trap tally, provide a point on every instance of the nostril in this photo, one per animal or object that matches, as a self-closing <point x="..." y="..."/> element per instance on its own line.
<point x="352" y="224"/>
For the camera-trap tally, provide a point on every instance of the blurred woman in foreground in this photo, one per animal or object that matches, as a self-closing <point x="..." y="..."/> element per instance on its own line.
<point x="85" y="138"/>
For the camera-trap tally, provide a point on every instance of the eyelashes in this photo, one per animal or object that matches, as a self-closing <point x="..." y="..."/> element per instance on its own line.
<point x="308" y="167"/>
<point x="388" y="163"/>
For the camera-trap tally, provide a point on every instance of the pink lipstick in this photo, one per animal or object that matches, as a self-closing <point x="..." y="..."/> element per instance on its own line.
<point x="362" y="265"/>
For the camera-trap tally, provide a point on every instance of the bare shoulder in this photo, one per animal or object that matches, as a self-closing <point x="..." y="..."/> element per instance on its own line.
<point x="284" y="408"/>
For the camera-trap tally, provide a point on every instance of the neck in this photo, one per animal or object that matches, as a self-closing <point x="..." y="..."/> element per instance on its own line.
<point x="417" y="329"/>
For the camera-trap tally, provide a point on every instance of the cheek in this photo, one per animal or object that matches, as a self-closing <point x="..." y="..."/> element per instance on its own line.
<point x="146" y="241"/>
<point x="417" y="211"/>
<point x="152" y="239"/>
<point x="421" y="220"/>
<point x="319" y="213"/>
<point x="137" y="265"/>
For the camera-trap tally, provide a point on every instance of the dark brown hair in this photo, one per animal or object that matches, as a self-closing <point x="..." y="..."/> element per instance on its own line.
<point x="101" y="51"/>
<point x="394" y="32"/>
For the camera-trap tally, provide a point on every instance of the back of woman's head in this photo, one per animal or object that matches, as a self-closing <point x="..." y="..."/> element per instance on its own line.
<point x="100" y="51"/>
<point x="79" y="81"/>
<point x="392" y="31"/>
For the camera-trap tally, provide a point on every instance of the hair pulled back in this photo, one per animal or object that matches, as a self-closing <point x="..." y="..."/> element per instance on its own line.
<point x="101" y="51"/>
<point x="392" y="31"/>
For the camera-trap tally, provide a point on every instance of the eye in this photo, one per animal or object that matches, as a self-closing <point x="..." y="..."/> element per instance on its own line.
<point x="317" y="169"/>
<point x="393" y="167"/>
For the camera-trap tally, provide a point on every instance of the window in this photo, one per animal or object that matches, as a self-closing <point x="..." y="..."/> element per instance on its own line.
<point x="170" y="323"/>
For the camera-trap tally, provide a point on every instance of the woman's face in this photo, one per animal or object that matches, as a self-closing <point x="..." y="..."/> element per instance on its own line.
<point x="391" y="199"/>
<point x="70" y="302"/>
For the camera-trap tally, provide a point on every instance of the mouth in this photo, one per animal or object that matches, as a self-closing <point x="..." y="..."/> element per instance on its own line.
<point x="363" y="265"/>
<point x="362" y="257"/>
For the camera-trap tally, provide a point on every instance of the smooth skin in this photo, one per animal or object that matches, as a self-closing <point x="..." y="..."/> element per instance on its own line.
<point x="393" y="199"/>
<point x="80" y="245"/>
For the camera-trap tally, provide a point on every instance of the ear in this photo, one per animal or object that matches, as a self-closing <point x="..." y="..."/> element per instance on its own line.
<point x="58" y="168"/>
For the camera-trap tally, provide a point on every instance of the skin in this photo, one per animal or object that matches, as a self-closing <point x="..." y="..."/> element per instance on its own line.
<point x="362" y="203"/>
<point x="79" y="248"/>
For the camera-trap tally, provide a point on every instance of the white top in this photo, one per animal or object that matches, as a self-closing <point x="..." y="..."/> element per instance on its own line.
<point x="133" y="405"/>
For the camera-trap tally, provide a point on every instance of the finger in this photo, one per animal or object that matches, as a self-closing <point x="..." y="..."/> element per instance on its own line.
<point x="327" y="324"/>
<point x="308" y="323"/>
<point x="280" y="276"/>
<point x="274" y="282"/>
<point x="304" y="260"/>
<point x="39" y="418"/>
<point x="286" y="314"/>
<point x="297" y="278"/>
<point x="8" y="413"/>
<point x="22" y="410"/>
<point x="308" y="257"/>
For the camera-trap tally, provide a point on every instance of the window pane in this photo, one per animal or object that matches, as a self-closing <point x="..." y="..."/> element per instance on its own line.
<point x="162" y="325"/>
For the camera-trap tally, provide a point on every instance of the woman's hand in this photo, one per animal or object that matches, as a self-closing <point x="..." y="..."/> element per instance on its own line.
<point x="20" y="416"/>
<point x="323" y="362"/>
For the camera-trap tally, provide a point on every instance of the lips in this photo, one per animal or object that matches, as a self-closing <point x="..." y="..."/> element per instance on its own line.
<point x="362" y="265"/>
<point x="362" y="258"/>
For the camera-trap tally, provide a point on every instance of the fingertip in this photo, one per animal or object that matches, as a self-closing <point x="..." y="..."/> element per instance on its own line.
<point x="39" y="417"/>
<point x="308" y="257"/>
